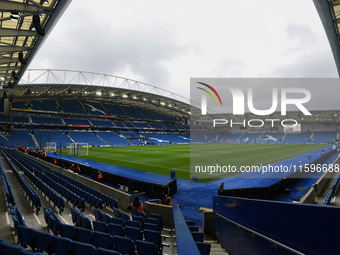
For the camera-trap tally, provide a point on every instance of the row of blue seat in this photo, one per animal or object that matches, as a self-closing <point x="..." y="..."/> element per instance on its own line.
<point x="7" y="187"/>
<point x="69" y="195"/>
<point x="107" y="200"/>
<point x="121" y="218"/>
<point x="9" y="249"/>
<point x="28" y="162"/>
<point x="17" y="217"/>
<point x="89" y="198"/>
<point x="47" y="190"/>
<point x="52" y="244"/>
<point x="120" y="243"/>
<point x="91" y="195"/>
<point x="30" y="192"/>
<point x="48" y="186"/>
<point x="204" y="248"/>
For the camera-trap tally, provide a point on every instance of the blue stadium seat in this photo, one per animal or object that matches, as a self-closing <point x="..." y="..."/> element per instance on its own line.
<point x="98" y="214"/>
<point x="124" y="245"/>
<point x="101" y="251"/>
<point x="154" y="237"/>
<point x="100" y="226"/>
<point x="55" y="223"/>
<point x="106" y="218"/>
<point x="204" y="248"/>
<point x="62" y="246"/>
<point x="13" y="249"/>
<point x="135" y="224"/>
<point x="134" y="233"/>
<point x="103" y="240"/>
<point x="116" y="229"/>
<point x="27" y="236"/>
<point x="157" y="216"/>
<point x="154" y="221"/>
<point x="140" y="219"/>
<point x="85" y="222"/>
<point x="198" y="236"/>
<point x="83" y="248"/>
<point x="193" y="228"/>
<point x="16" y="222"/>
<point x="44" y="241"/>
<point x="125" y="216"/>
<point x="151" y="226"/>
<point x="190" y="223"/>
<point x="20" y="218"/>
<point x="118" y="221"/>
<point x="146" y="248"/>
<point x="80" y="217"/>
<point x="67" y="231"/>
<point x="84" y="235"/>
<point x="116" y="212"/>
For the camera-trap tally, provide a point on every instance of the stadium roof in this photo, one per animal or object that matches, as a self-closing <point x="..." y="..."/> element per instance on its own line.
<point x="24" y="25"/>
<point x="63" y="84"/>
<point x="329" y="12"/>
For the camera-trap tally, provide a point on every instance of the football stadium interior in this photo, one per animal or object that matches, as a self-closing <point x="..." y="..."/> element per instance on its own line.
<point x="79" y="149"/>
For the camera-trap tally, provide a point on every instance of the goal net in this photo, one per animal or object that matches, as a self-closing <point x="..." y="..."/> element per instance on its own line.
<point x="50" y="147"/>
<point x="78" y="149"/>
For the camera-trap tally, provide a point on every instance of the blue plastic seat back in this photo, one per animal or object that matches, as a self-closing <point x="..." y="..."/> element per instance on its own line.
<point x="106" y="218"/>
<point x="204" y="248"/>
<point x="116" y="229"/>
<point x="27" y="236"/>
<point x="67" y="231"/>
<point x="118" y="221"/>
<point x="153" y="237"/>
<point x="13" y="249"/>
<point x="86" y="223"/>
<point x="193" y="228"/>
<point x="134" y="233"/>
<point x="103" y="240"/>
<point x="62" y="246"/>
<point x="101" y="251"/>
<point x="98" y="214"/>
<point x="140" y="219"/>
<point x="135" y="224"/>
<point x="84" y="235"/>
<point x="44" y="241"/>
<point x="151" y="226"/>
<point x="146" y="248"/>
<point x="153" y="221"/>
<point x="198" y="236"/>
<point x="83" y="248"/>
<point x="100" y="226"/>
<point x="124" y="245"/>
<point x="125" y="216"/>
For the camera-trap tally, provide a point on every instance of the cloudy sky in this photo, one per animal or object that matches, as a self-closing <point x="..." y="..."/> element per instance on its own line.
<point x="164" y="43"/>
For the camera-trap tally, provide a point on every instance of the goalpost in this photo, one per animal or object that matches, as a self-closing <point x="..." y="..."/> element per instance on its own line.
<point x="78" y="149"/>
<point x="50" y="147"/>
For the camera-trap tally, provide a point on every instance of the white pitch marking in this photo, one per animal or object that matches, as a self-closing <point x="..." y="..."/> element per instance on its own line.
<point x="92" y="216"/>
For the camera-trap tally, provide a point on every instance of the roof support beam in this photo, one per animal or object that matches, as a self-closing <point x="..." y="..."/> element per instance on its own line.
<point x="6" y="32"/>
<point x="8" y="60"/>
<point x="9" y="6"/>
<point x="7" y="68"/>
<point x="13" y="48"/>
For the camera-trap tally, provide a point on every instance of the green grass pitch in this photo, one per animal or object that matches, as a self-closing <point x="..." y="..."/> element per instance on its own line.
<point x="164" y="158"/>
